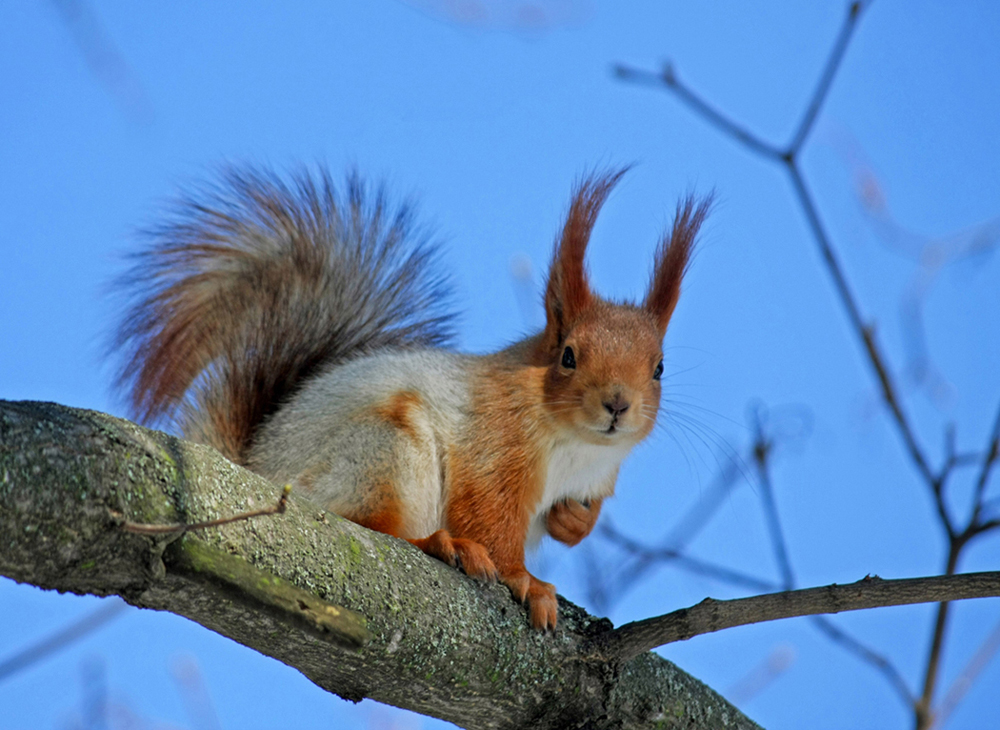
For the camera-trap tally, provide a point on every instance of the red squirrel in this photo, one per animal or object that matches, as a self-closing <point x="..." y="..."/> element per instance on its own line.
<point x="303" y="334"/>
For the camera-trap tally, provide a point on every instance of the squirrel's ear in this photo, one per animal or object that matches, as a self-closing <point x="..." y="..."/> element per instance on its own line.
<point x="568" y="292"/>
<point x="672" y="257"/>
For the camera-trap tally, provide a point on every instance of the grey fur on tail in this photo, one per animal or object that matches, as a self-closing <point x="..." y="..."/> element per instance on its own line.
<point x="258" y="283"/>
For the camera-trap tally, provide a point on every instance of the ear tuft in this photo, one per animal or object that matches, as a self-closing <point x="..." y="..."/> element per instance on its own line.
<point x="673" y="256"/>
<point x="568" y="292"/>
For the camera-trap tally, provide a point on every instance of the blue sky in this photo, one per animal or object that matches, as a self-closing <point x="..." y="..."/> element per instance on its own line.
<point x="487" y="124"/>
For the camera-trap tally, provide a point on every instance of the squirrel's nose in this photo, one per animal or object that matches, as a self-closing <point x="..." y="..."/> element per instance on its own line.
<point x="616" y="406"/>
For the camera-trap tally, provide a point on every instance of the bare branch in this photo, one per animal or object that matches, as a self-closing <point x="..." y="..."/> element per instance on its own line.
<point x="987" y="526"/>
<point x="757" y="679"/>
<point x="761" y="455"/>
<point x="957" y="542"/>
<point x="865" y="332"/>
<point x="867" y="655"/>
<point x="668" y="77"/>
<point x="936" y="480"/>
<point x="788" y="159"/>
<point x="109" y="610"/>
<point x="989" y="460"/>
<point x="964" y="681"/>
<point x="922" y="710"/>
<point x="647" y="557"/>
<point x="712" y="615"/>
<point x="763" y="449"/>
<point x="826" y="79"/>
<point x="104" y="60"/>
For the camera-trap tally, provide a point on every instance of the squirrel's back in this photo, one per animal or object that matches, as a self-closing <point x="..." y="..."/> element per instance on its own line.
<point x="256" y="285"/>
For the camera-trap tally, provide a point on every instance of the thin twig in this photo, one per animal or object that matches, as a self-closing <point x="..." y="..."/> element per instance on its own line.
<point x="761" y="455"/>
<point x="647" y="556"/>
<point x="925" y="715"/>
<point x="704" y="509"/>
<point x="989" y="460"/>
<point x="826" y="79"/>
<point x="757" y="679"/>
<point x="143" y="529"/>
<point x="668" y="77"/>
<point x="763" y="449"/>
<point x="788" y="158"/>
<point x="111" y="608"/>
<point x="922" y="710"/>
<point x="987" y="526"/>
<point x="964" y="681"/>
<point x="671" y="547"/>
<point x="711" y="615"/>
<point x="867" y="655"/>
<point x="104" y="60"/>
<point x="864" y="332"/>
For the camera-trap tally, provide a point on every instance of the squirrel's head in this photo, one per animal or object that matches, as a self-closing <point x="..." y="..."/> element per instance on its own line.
<point x="605" y="359"/>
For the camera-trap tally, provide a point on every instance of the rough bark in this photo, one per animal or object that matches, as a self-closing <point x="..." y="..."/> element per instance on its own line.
<point x="359" y="613"/>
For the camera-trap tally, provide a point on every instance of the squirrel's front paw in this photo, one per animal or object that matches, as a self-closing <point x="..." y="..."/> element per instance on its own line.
<point x="570" y="521"/>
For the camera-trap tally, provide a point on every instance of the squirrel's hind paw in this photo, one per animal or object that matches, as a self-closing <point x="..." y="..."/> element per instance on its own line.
<point x="540" y="597"/>
<point x="543" y="606"/>
<point x="458" y="552"/>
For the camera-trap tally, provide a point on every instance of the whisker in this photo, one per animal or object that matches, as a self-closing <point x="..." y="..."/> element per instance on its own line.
<point x="684" y="404"/>
<point x="709" y="438"/>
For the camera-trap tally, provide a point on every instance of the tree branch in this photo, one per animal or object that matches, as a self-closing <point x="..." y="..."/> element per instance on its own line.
<point x="826" y="79"/>
<point x="788" y="158"/>
<point x="56" y="641"/>
<point x="439" y="643"/>
<point x="668" y="77"/>
<point x="711" y="615"/>
<point x="989" y="460"/>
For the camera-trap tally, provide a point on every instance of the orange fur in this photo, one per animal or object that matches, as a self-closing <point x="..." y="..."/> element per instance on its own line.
<point x="495" y="476"/>
<point x="524" y="400"/>
<point x="568" y="291"/>
<point x="672" y="259"/>
<point x="398" y="409"/>
<point x="388" y="520"/>
<point x="570" y="521"/>
<point x="381" y="510"/>
<point x="458" y="552"/>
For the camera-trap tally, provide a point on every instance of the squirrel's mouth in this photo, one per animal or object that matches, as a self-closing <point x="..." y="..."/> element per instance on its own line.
<point x="615" y="428"/>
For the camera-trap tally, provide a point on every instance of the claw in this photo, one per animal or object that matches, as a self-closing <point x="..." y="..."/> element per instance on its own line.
<point x="466" y="555"/>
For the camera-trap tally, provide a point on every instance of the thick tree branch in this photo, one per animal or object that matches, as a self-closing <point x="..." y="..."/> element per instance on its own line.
<point x="711" y="615"/>
<point x="438" y="642"/>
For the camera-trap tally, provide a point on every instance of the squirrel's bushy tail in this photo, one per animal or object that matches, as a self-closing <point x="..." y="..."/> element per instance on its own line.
<point x="257" y="283"/>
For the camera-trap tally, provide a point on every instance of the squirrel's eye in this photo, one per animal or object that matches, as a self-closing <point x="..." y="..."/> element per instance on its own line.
<point x="659" y="370"/>
<point x="568" y="360"/>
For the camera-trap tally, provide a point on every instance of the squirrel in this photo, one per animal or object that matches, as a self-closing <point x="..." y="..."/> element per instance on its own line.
<point x="305" y="335"/>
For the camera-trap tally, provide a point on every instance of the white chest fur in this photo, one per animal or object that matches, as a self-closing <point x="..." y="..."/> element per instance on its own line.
<point x="578" y="470"/>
